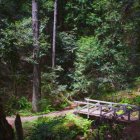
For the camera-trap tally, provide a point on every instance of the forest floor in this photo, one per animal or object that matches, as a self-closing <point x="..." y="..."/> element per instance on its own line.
<point x="32" y="118"/>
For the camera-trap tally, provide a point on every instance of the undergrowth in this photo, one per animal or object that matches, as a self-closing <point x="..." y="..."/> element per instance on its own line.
<point x="72" y="127"/>
<point x="68" y="127"/>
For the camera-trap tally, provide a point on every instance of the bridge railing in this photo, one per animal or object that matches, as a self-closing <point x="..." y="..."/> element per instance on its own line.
<point x="100" y="105"/>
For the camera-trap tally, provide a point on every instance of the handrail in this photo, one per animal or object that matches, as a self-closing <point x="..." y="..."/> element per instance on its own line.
<point x="104" y="102"/>
<point x="85" y="103"/>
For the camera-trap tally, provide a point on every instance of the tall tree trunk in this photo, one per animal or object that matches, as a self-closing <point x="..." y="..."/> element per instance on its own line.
<point x="36" y="68"/>
<point x="54" y="34"/>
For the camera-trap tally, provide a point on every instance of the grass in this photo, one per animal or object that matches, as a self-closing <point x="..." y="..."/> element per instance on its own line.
<point x="26" y="113"/>
<point x="28" y="129"/>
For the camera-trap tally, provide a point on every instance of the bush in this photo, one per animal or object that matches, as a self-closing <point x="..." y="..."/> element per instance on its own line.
<point x="136" y="100"/>
<point x="71" y="127"/>
<point x="45" y="106"/>
<point x="61" y="128"/>
<point x="108" y="131"/>
<point x="53" y="93"/>
<point x="23" y="103"/>
<point x="15" y="104"/>
<point x="126" y="100"/>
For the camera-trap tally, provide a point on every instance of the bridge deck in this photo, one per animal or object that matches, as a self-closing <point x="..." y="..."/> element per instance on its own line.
<point x="97" y="108"/>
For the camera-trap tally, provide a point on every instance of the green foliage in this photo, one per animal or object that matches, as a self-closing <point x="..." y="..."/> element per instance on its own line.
<point x="89" y="50"/>
<point x="23" y="103"/>
<point x="102" y="59"/>
<point x="107" y="131"/>
<point x="45" y="106"/>
<point x="28" y="129"/>
<point x="136" y="100"/>
<point x="97" y="50"/>
<point x="126" y="100"/>
<point x="66" y="128"/>
<point x="72" y="127"/>
<point x="81" y="123"/>
<point x="54" y="93"/>
<point x="50" y="83"/>
<point x="66" y="46"/>
<point x="97" y="68"/>
<point x="120" y="112"/>
<point x="15" y="104"/>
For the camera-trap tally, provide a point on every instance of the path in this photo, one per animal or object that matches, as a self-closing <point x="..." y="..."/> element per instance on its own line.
<point x="32" y="118"/>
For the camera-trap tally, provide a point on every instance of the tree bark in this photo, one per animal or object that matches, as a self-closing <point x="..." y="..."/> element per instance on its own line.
<point x="18" y="126"/>
<point x="6" y="131"/>
<point x="36" y="68"/>
<point x="54" y="34"/>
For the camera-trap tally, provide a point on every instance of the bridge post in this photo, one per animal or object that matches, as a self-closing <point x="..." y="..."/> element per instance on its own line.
<point x="76" y="109"/>
<point x="128" y="115"/>
<point x="139" y="113"/>
<point x="100" y="110"/>
<point x="114" y="112"/>
<point x="111" y="106"/>
<point x="88" y="108"/>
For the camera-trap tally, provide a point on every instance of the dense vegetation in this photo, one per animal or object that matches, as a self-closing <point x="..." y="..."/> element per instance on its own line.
<point x="97" y="55"/>
<point x="71" y="127"/>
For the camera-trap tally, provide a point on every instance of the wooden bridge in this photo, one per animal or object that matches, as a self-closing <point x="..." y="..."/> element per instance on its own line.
<point x="110" y="110"/>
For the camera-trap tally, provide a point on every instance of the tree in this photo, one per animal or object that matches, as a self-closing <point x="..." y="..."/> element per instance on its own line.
<point x="102" y="63"/>
<point x="36" y="68"/>
<point x="18" y="126"/>
<point x="54" y="34"/>
<point x="6" y="131"/>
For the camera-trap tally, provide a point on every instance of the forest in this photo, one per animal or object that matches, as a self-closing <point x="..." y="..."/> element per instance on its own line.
<point x="56" y="52"/>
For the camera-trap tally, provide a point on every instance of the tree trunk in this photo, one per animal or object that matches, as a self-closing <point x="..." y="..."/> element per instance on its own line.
<point x="6" y="131"/>
<point x="36" y="68"/>
<point x="54" y="34"/>
<point x="18" y="126"/>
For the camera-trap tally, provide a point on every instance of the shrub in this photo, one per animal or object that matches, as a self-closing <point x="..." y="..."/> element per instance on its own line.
<point x="53" y="92"/>
<point x="126" y="100"/>
<point x="45" y="106"/>
<point x="136" y="100"/>
<point x="15" y="104"/>
<point x="108" y="131"/>
<point x="23" y="103"/>
<point x="66" y="128"/>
